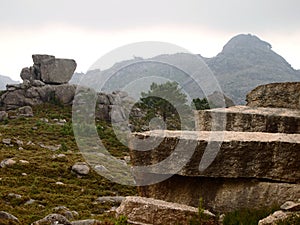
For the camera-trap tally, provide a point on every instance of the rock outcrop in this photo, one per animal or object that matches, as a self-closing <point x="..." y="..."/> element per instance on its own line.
<point x="276" y="95"/>
<point x="240" y="157"/>
<point x="150" y="211"/>
<point x="49" y="69"/>
<point x="47" y="82"/>
<point x="247" y="119"/>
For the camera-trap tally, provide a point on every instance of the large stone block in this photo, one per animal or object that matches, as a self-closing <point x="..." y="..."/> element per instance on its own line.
<point x="51" y="70"/>
<point x="222" y="195"/>
<point x="151" y="211"/>
<point x="276" y="95"/>
<point x="222" y="154"/>
<point x="246" y="119"/>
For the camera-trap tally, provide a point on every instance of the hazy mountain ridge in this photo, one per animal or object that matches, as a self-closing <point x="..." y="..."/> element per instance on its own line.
<point x="4" y="80"/>
<point x="244" y="63"/>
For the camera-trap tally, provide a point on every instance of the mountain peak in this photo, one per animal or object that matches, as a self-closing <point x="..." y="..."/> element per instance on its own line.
<point x="246" y="41"/>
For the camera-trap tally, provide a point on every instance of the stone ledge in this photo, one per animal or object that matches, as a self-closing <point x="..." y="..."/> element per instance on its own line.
<point x="242" y="154"/>
<point x="247" y="119"/>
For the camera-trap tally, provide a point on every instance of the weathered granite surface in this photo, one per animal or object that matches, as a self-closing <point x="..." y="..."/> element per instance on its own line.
<point x="222" y="194"/>
<point x="276" y="95"/>
<point x="269" y="156"/>
<point x="247" y="119"/>
<point x="140" y="210"/>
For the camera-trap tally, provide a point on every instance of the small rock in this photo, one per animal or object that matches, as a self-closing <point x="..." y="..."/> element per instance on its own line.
<point x="58" y="156"/>
<point x="6" y="141"/>
<point x="62" y="210"/>
<point x="8" y="218"/>
<point x="23" y="161"/>
<point x="59" y="183"/>
<point x="127" y="159"/>
<point x="13" y="195"/>
<point x="19" y="142"/>
<point x="7" y="162"/>
<point x="3" y="116"/>
<point x="81" y="168"/>
<point x="53" y="219"/>
<point x="30" y="202"/>
<point x="24" y="174"/>
<point x="45" y="120"/>
<point x="25" y="111"/>
<point x="21" y="148"/>
<point x="34" y="128"/>
<point x="30" y="143"/>
<point x="50" y="147"/>
<point x="290" y="206"/>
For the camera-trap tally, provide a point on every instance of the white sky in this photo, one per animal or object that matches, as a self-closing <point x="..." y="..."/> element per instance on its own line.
<point x="86" y="30"/>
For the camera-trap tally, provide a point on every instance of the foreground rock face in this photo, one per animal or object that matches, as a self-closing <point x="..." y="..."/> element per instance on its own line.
<point x="222" y="195"/>
<point x="241" y="155"/>
<point x="150" y="211"/>
<point x="277" y="95"/>
<point x="247" y="119"/>
<point x="49" y="69"/>
<point x="251" y="169"/>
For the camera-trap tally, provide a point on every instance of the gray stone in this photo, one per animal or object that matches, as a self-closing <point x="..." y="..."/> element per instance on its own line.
<point x="240" y="154"/>
<point x="27" y="73"/>
<point x="13" y="195"/>
<point x="52" y="70"/>
<point x="274" y="218"/>
<point x="276" y="95"/>
<point x="81" y="168"/>
<point x="25" y="111"/>
<point x="6" y="141"/>
<point x="53" y="219"/>
<point x="290" y="206"/>
<point x="140" y="210"/>
<point x="222" y="195"/>
<point x="246" y="119"/>
<point x="3" y="116"/>
<point x="7" y="218"/>
<point x="7" y="162"/>
<point x="51" y="147"/>
<point x="62" y="210"/>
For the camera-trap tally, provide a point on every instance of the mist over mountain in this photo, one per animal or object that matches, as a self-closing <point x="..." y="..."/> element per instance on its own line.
<point x="244" y="63"/>
<point x="4" y="80"/>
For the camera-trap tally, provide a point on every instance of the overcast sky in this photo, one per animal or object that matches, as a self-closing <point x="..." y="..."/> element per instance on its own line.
<point x="86" y="30"/>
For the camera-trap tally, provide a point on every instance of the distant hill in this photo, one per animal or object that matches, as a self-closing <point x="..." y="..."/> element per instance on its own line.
<point x="244" y="63"/>
<point x="4" y="80"/>
<point x="247" y="62"/>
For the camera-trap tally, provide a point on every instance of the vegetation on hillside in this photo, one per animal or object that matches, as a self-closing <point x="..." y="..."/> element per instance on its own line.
<point x="38" y="179"/>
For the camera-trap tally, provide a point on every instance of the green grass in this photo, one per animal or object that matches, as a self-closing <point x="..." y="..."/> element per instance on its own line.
<point x="247" y="216"/>
<point x="44" y="171"/>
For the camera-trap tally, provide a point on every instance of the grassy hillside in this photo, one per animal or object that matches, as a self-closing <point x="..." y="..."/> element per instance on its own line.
<point x="45" y="169"/>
